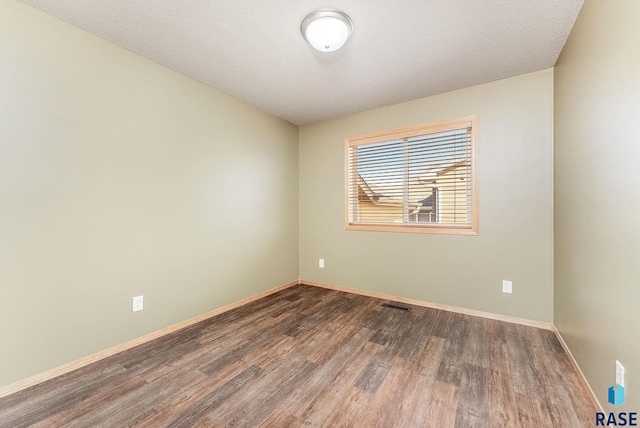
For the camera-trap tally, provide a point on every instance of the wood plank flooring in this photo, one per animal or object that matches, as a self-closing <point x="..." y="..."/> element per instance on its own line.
<point x="313" y="357"/>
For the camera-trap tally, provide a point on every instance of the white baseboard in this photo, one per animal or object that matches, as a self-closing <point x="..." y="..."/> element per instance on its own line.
<point x="449" y="308"/>
<point x="66" y="368"/>
<point x="576" y="367"/>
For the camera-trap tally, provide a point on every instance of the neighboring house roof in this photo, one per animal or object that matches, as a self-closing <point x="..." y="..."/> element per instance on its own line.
<point x="386" y="191"/>
<point x="437" y="171"/>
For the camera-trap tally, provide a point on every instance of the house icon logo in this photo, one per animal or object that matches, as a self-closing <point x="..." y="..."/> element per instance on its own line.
<point x="616" y="395"/>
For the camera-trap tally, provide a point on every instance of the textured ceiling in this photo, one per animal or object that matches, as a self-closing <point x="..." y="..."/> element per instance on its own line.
<point x="400" y="50"/>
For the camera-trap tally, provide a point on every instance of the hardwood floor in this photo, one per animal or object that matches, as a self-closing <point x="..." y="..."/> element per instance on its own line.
<point x="313" y="357"/>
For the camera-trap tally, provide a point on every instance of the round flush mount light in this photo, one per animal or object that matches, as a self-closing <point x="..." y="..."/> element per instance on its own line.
<point x="327" y="29"/>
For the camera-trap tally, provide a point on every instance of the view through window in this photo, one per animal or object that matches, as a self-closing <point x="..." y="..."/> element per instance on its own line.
<point x="420" y="179"/>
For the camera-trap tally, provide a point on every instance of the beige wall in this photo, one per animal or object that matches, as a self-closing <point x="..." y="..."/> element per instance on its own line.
<point x="119" y="177"/>
<point x="597" y="195"/>
<point x="516" y="228"/>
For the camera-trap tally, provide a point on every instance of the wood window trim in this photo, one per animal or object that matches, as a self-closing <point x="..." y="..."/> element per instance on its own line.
<point x="412" y="131"/>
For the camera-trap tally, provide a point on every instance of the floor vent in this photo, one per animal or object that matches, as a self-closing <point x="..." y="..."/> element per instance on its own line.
<point x="394" y="306"/>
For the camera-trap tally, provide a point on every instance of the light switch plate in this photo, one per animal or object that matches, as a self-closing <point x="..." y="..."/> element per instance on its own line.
<point x="619" y="374"/>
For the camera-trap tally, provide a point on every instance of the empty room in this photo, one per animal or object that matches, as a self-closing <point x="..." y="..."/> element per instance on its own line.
<point x="319" y="214"/>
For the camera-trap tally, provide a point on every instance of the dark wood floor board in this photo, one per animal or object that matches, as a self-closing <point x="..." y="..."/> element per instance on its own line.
<point x="503" y="409"/>
<point x="263" y="405"/>
<point x="559" y="376"/>
<point x="582" y="404"/>
<point x="58" y="397"/>
<point x="399" y="332"/>
<point x="257" y="401"/>
<point x="173" y="343"/>
<point x="281" y="349"/>
<point x="254" y="343"/>
<point x="477" y="348"/>
<point x="362" y="308"/>
<point x="242" y="318"/>
<point x="135" y="404"/>
<point x="347" y="413"/>
<point x="217" y="397"/>
<point x="314" y="322"/>
<point x="396" y="336"/>
<point x="273" y="314"/>
<point x="269" y="356"/>
<point x="323" y="405"/>
<point x="230" y="337"/>
<point x="523" y="371"/>
<point x="442" y="407"/>
<point x="390" y="321"/>
<point x="379" y="316"/>
<point x="328" y="369"/>
<point x="188" y="361"/>
<point x="313" y="357"/>
<point x="341" y="330"/>
<point x="164" y="392"/>
<point x="310" y="306"/>
<point x="285" y="301"/>
<point x="163" y="357"/>
<point x="204" y="423"/>
<point x="386" y="405"/>
<point x="561" y="413"/>
<point x="457" y="333"/>
<point x="473" y="404"/>
<point x="334" y="341"/>
<point x="425" y="370"/>
<point x="280" y="419"/>
<point x="320" y="320"/>
<point x="450" y="371"/>
<point x="308" y="343"/>
<point x="533" y="413"/>
<point x="547" y="340"/>
<point x="498" y="349"/>
<point x="286" y="297"/>
<point x="395" y="331"/>
<point x="92" y="403"/>
<point x="556" y="396"/>
<point x="413" y="412"/>
<point x="373" y="374"/>
<point x="419" y="333"/>
<point x="68" y="381"/>
<point x="445" y="324"/>
<point x="431" y="357"/>
<point x="188" y="397"/>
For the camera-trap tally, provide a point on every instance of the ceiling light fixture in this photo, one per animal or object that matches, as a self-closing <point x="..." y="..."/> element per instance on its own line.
<point x="327" y="29"/>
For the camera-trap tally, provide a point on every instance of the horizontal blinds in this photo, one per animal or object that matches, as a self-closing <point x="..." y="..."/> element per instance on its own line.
<point x="418" y="180"/>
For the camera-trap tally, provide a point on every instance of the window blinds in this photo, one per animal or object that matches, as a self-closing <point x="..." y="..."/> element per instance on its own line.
<point x="423" y="178"/>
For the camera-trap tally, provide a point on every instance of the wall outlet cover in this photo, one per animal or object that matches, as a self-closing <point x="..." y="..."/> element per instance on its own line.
<point x="321" y="263"/>
<point x="507" y="286"/>
<point x="138" y="303"/>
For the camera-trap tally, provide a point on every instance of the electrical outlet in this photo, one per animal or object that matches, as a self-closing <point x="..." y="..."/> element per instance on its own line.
<point x="507" y="286"/>
<point x="321" y="263"/>
<point x="619" y="374"/>
<point x="138" y="304"/>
